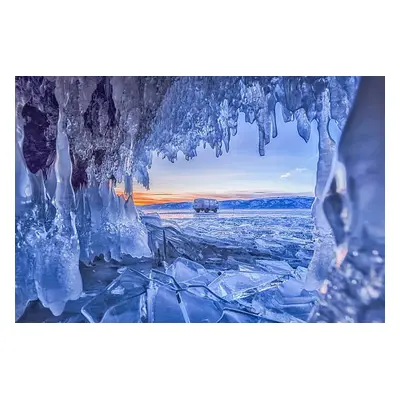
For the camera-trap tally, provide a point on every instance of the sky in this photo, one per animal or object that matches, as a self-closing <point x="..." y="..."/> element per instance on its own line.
<point x="288" y="168"/>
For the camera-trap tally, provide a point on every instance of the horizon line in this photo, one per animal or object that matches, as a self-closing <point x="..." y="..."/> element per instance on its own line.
<point x="147" y="199"/>
<point x="221" y="201"/>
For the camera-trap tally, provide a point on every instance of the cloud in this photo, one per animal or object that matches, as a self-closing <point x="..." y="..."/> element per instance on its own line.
<point x="294" y="171"/>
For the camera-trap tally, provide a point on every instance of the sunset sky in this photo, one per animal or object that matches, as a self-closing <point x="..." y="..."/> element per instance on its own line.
<point x="288" y="168"/>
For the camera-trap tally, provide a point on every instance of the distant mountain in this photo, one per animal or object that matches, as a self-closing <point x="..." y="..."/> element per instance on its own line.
<point x="253" y="204"/>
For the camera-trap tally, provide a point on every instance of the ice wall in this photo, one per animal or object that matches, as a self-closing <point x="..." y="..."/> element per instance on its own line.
<point x="59" y="224"/>
<point x="355" y="208"/>
<point x="101" y="130"/>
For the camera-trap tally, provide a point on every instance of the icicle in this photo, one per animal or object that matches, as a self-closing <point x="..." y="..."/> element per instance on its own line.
<point x="87" y="85"/>
<point x="114" y="218"/>
<point x="134" y="236"/>
<point x="51" y="183"/>
<point x="23" y="186"/>
<point x="261" y="141"/>
<point x="292" y="92"/>
<point x="128" y="186"/>
<point x="110" y="234"/>
<point x="323" y="239"/>
<point x="97" y="245"/>
<point x="303" y="125"/>
<point x="57" y="275"/>
<point x="340" y="105"/>
<point x="39" y="194"/>
<point x="272" y="117"/>
<point x="83" y="225"/>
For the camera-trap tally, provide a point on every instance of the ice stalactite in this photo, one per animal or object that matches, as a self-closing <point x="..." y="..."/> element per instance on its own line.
<point x="57" y="275"/>
<point x="110" y="221"/>
<point x="134" y="235"/>
<point x="109" y="225"/>
<point x="134" y="239"/>
<point x="95" y="202"/>
<point x="128" y="186"/>
<point x="324" y="244"/>
<point x="83" y="225"/>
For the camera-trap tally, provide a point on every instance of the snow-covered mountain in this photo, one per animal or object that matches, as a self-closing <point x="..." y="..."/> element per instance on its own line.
<point x="265" y="203"/>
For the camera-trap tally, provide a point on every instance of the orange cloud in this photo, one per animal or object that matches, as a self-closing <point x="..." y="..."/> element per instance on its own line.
<point x="145" y="198"/>
<point x="148" y="198"/>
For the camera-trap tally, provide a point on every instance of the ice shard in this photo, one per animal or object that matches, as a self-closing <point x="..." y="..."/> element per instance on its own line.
<point x="165" y="306"/>
<point x="233" y="285"/>
<point x="123" y="300"/>
<point x="184" y="271"/>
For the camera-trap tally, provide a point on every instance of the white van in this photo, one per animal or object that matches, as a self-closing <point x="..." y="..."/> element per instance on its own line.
<point x="205" y="205"/>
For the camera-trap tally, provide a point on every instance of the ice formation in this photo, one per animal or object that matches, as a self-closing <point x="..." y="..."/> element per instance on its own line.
<point x="77" y="136"/>
<point x="156" y="296"/>
<point x="355" y="208"/>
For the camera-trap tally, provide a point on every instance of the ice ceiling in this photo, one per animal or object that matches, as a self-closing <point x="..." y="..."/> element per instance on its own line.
<point x="77" y="136"/>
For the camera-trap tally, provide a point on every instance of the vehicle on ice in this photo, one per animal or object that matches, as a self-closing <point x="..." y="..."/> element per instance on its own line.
<point x="205" y="205"/>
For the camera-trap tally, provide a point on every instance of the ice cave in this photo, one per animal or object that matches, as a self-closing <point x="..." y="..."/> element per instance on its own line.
<point x="84" y="254"/>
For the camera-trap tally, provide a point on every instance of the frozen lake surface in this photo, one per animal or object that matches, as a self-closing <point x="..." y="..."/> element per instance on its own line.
<point x="230" y="266"/>
<point x="281" y="234"/>
<point x="230" y="213"/>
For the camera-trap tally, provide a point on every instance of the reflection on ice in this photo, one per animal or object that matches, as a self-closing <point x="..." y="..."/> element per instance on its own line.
<point x="184" y="270"/>
<point x="274" y="266"/>
<point x="127" y="286"/>
<point x="130" y="310"/>
<point x="165" y="306"/>
<point x="200" y="309"/>
<point x="233" y="285"/>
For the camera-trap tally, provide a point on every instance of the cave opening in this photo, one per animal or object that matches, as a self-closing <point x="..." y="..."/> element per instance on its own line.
<point x="78" y="139"/>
